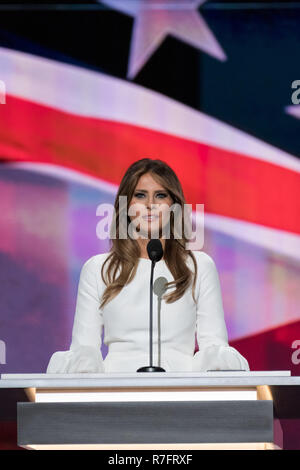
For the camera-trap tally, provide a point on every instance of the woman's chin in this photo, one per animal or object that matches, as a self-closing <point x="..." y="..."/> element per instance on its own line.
<point x="148" y="231"/>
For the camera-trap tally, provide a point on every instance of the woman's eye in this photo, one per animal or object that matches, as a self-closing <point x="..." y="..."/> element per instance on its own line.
<point x="159" y="195"/>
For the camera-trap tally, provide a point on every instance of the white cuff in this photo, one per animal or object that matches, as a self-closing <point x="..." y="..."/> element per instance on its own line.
<point x="215" y="357"/>
<point x="82" y="359"/>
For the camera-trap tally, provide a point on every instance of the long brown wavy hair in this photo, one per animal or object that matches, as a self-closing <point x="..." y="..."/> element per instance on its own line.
<point x="124" y="254"/>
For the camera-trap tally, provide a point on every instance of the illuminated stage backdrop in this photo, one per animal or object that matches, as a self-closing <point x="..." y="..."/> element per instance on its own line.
<point x="212" y="99"/>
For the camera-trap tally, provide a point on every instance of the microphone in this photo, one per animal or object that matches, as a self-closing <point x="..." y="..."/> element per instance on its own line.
<point x="155" y="253"/>
<point x="155" y="250"/>
<point x="159" y="288"/>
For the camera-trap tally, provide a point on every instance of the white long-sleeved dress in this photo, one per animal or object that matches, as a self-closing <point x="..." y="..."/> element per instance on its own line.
<point x="126" y="324"/>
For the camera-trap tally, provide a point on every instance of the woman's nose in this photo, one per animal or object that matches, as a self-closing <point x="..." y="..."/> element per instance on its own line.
<point x="150" y="203"/>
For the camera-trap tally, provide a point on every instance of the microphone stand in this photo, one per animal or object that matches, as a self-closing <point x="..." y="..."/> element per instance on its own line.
<point x="151" y="368"/>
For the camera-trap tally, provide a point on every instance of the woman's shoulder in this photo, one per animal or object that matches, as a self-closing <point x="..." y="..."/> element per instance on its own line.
<point x="95" y="261"/>
<point x="203" y="259"/>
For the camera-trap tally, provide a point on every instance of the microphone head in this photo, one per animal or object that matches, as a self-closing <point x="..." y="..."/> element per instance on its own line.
<point x="160" y="286"/>
<point x="155" y="250"/>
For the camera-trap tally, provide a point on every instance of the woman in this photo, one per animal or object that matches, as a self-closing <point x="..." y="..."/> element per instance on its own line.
<point x="113" y="290"/>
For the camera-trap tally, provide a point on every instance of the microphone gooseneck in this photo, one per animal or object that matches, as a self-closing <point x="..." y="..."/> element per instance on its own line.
<point x="155" y="253"/>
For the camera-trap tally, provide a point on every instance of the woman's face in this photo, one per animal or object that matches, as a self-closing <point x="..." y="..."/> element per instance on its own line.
<point x="151" y="206"/>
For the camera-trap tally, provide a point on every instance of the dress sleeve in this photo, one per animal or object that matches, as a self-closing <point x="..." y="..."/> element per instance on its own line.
<point x="214" y="351"/>
<point x="84" y="354"/>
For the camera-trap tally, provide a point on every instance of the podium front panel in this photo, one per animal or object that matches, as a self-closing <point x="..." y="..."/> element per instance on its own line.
<point x="145" y="422"/>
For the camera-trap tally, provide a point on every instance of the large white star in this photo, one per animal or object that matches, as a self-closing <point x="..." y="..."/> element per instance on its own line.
<point x="155" y="19"/>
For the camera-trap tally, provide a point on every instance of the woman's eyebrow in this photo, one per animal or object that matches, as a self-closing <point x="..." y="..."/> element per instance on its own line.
<point x="156" y="191"/>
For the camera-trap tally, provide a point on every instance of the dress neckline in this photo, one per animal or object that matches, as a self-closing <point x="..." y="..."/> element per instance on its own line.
<point x="149" y="260"/>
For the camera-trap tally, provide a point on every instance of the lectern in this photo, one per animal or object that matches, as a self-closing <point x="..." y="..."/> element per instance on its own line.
<point x="184" y="410"/>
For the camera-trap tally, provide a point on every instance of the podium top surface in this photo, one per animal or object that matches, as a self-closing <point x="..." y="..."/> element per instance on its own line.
<point x="148" y="379"/>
